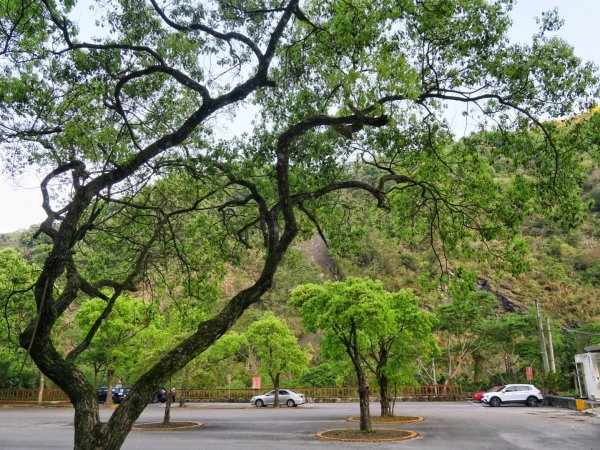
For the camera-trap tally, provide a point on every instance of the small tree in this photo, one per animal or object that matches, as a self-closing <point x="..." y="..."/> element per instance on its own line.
<point x="276" y="346"/>
<point x="513" y="341"/>
<point x="115" y="345"/>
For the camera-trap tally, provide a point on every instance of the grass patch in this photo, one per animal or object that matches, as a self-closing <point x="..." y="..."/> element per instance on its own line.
<point x="171" y="426"/>
<point x="376" y="435"/>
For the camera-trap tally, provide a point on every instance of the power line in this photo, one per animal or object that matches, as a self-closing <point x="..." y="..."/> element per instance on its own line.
<point x="571" y="330"/>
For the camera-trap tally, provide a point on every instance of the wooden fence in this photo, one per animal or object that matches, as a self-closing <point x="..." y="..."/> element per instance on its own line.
<point x="445" y="391"/>
<point x="31" y="395"/>
<point x="440" y="391"/>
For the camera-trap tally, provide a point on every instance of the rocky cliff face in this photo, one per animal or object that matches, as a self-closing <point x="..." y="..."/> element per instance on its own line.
<point x="316" y="252"/>
<point x="508" y="303"/>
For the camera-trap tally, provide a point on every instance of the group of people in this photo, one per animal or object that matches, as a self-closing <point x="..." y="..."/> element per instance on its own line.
<point x="161" y="395"/>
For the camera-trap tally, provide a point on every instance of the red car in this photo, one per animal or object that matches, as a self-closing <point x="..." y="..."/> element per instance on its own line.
<point x="477" y="395"/>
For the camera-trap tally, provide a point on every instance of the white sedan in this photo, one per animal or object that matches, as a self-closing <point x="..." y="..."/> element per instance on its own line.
<point x="286" y="397"/>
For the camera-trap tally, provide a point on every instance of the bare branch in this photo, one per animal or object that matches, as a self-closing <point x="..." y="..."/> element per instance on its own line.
<point x="208" y="30"/>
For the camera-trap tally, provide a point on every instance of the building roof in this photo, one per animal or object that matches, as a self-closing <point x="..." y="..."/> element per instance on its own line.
<point x="593" y="348"/>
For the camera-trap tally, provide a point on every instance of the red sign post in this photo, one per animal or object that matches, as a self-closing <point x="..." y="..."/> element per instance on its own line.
<point x="256" y="383"/>
<point x="228" y="385"/>
<point x="529" y="373"/>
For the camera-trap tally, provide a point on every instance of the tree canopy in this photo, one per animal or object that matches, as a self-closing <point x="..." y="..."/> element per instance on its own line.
<point x="125" y="123"/>
<point x="18" y="308"/>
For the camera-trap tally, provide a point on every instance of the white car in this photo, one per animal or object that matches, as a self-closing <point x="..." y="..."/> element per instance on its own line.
<point x="514" y="393"/>
<point x="286" y="397"/>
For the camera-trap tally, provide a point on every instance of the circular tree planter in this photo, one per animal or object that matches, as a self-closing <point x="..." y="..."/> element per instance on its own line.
<point x="389" y="420"/>
<point x="377" y="435"/>
<point x="171" y="426"/>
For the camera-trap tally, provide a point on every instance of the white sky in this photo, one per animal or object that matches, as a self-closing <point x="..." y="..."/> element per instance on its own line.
<point x="20" y="199"/>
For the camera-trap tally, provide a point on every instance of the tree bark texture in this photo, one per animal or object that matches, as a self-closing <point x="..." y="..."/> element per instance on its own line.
<point x="167" y="417"/>
<point x="275" y="380"/>
<point x="353" y="351"/>
<point x="382" y="360"/>
<point x="384" y="399"/>
<point x="365" y="413"/>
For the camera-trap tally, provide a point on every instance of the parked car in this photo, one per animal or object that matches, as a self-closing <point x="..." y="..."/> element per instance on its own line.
<point x="286" y="397"/>
<point x="477" y="395"/>
<point x="101" y="392"/>
<point x="118" y="394"/>
<point x="122" y="393"/>
<point x="527" y="394"/>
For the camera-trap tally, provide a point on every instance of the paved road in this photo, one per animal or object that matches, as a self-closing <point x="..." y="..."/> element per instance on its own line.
<point x="463" y="426"/>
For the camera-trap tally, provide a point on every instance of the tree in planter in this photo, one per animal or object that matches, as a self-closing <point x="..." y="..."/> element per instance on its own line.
<point x="275" y="345"/>
<point x="374" y="328"/>
<point x="123" y="126"/>
<point x="344" y="312"/>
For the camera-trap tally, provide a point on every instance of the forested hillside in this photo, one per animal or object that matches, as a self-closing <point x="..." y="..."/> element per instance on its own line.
<point x="558" y="267"/>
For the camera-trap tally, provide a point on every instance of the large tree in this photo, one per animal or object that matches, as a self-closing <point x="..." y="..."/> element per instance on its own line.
<point x="123" y="123"/>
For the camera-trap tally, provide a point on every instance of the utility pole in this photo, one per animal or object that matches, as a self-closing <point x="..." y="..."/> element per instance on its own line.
<point x="434" y="376"/>
<point x="542" y="338"/>
<point x="550" y="346"/>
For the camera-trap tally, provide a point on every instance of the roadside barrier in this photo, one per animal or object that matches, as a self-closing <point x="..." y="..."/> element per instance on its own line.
<point x="347" y="393"/>
<point x="317" y="394"/>
<point x="18" y="395"/>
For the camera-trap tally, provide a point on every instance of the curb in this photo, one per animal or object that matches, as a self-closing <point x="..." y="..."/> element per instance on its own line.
<point x="193" y="426"/>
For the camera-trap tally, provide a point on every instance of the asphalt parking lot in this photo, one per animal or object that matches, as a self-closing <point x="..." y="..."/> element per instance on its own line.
<point x="460" y="425"/>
